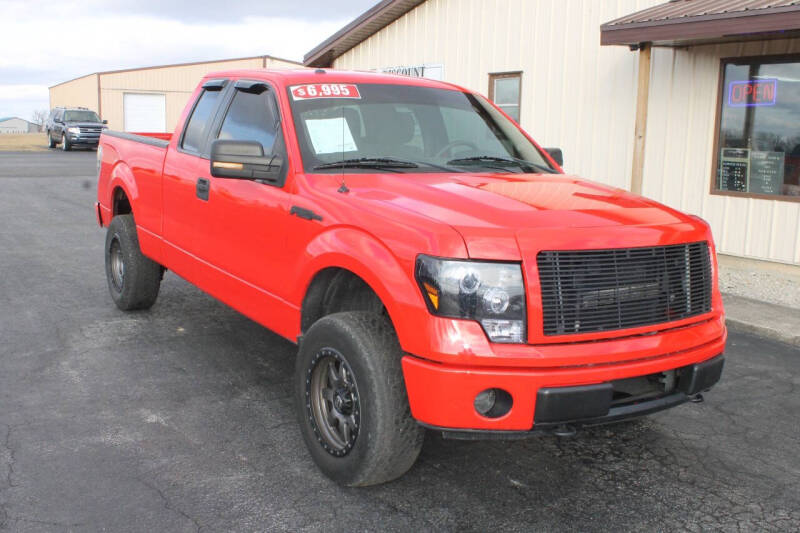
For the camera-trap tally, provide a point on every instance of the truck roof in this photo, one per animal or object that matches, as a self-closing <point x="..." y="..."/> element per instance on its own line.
<point x="299" y="76"/>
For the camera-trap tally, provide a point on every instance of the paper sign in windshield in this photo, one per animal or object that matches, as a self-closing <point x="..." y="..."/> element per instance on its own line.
<point x="330" y="135"/>
<point x="324" y="90"/>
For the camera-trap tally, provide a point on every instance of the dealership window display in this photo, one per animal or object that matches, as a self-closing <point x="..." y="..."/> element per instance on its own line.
<point x="758" y="149"/>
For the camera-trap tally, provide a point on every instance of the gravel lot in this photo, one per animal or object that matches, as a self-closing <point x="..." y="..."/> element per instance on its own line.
<point x="179" y="419"/>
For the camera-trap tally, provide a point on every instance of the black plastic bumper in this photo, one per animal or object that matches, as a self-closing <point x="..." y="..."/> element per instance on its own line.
<point x="84" y="141"/>
<point x="591" y="405"/>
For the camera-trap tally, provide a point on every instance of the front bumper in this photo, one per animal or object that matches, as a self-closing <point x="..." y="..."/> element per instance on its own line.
<point x="83" y="140"/>
<point x="442" y="396"/>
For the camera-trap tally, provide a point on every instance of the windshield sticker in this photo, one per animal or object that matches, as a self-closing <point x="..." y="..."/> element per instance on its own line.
<point x="330" y="135"/>
<point x="324" y="90"/>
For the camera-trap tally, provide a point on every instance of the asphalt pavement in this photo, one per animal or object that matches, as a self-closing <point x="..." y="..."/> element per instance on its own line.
<point x="180" y="418"/>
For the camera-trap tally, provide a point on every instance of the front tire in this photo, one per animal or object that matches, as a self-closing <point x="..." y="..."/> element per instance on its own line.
<point x="65" y="143"/>
<point x="351" y="400"/>
<point x="133" y="279"/>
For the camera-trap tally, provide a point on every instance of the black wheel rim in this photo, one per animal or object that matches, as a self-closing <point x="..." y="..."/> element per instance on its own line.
<point x="332" y="402"/>
<point x="117" y="265"/>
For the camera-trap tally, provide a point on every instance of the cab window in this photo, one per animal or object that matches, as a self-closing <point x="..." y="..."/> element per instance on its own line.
<point x="251" y="117"/>
<point x="195" y="133"/>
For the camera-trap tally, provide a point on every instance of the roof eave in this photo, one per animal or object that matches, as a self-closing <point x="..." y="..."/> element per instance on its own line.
<point x="367" y="24"/>
<point x="711" y="28"/>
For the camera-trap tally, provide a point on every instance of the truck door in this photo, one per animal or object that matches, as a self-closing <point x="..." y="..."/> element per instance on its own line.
<point x="247" y="219"/>
<point x="187" y="177"/>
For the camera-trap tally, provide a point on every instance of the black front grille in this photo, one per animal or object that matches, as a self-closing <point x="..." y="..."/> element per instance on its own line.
<point x="601" y="290"/>
<point x="85" y="129"/>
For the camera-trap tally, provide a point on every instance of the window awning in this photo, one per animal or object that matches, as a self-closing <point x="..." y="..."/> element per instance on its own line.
<point x="686" y="22"/>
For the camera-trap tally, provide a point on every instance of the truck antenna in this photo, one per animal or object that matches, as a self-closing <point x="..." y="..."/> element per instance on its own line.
<point x="343" y="189"/>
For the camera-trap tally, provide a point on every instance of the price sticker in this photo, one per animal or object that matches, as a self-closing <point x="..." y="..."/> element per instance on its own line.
<point x="324" y="90"/>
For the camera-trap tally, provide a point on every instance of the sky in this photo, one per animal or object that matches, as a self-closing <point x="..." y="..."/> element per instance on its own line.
<point x="46" y="42"/>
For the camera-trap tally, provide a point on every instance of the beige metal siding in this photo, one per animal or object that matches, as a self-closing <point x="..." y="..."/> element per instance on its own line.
<point x="80" y="92"/>
<point x="575" y="94"/>
<point x="680" y="152"/>
<point x="275" y="63"/>
<point x="176" y="82"/>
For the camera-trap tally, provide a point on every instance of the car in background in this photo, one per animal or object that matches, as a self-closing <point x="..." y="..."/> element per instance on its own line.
<point x="73" y="126"/>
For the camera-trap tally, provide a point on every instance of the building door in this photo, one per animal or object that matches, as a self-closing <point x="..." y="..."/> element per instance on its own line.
<point x="144" y="112"/>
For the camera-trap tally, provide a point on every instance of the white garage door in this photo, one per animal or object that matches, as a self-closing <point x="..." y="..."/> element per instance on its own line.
<point x="145" y="112"/>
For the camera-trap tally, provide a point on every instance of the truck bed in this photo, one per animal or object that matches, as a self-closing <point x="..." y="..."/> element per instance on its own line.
<point x="154" y="139"/>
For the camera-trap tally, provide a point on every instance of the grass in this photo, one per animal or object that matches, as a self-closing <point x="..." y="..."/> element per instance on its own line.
<point x="25" y="142"/>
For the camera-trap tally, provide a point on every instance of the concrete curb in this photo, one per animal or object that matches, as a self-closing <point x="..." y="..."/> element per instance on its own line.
<point x="775" y="322"/>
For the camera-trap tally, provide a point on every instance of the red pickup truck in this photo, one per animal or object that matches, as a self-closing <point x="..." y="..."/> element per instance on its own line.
<point x="435" y="266"/>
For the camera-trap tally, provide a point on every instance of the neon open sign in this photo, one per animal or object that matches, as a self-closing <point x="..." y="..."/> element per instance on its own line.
<point x="752" y="93"/>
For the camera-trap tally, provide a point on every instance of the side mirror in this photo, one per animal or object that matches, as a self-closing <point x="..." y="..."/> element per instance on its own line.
<point x="556" y="154"/>
<point x="244" y="160"/>
<point x="105" y="122"/>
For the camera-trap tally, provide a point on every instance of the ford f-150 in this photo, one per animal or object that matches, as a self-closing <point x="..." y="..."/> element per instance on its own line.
<point x="436" y="267"/>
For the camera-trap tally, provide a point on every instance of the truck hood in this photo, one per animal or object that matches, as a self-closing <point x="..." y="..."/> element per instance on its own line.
<point x="493" y="210"/>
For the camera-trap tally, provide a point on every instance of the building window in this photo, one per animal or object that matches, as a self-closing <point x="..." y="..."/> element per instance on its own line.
<point x="758" y="130"/>
<point x="505" y="90"/>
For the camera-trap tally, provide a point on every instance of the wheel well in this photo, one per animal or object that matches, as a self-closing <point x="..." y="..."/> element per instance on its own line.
<point x="121" y="204"/>
<point x="334" y="290"/>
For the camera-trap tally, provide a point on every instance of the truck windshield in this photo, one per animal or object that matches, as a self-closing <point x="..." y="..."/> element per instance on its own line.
<point x="81" y="116"/>
<point x="406" y="128"/>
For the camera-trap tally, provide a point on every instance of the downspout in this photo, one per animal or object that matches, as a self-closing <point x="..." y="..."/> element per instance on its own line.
<point x="640" y="129"/>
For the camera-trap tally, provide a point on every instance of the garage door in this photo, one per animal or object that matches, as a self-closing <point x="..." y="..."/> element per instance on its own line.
<point x="145" y="112"/>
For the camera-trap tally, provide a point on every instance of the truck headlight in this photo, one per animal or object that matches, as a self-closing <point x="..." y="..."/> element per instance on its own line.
<point x="493" y="294"/>
<point x="74" y="131"/>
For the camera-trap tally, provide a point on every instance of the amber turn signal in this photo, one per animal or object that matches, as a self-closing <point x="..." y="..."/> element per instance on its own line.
<point x="433" y="295"/>
<point x="232" y="166"/>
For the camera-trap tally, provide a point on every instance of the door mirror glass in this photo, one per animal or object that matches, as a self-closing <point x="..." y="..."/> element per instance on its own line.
<point x="556" y="154"/>
<point x="105" y="122"/>
<point x="244" y="160"/>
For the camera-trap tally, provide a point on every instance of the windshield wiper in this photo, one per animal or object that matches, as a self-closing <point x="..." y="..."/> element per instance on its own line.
<point x="521" y="163"/>
<point x="369" y="162"/>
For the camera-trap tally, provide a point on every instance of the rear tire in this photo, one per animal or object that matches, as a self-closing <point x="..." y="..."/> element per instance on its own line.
<point x="133" y="279"/>
<point x="348" y="373"/>
<point x="50" y="142"/>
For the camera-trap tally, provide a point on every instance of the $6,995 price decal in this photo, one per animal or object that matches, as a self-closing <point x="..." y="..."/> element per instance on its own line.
<point x="325" y="90"/>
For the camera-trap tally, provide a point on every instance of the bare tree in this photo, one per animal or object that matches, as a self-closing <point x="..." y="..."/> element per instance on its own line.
<point x="39" y="117"/>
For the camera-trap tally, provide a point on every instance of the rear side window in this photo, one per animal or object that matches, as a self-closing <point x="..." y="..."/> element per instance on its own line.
<point x="195" y="132"/>
<point x="250" y="118"/>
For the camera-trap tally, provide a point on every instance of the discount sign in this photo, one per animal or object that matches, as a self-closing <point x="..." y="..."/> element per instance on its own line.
<point x="752" y="93"/>
<point x="324" y="90"/>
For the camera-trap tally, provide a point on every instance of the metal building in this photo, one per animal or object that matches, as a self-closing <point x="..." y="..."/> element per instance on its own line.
<point x="17" y="125"/>
<point x="149" y="98"/>
<point x="695" y="103"/>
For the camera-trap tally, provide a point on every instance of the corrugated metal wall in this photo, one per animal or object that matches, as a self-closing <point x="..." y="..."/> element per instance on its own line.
<point x="575" y="94"/>
<point x="175" y="82"/>
<point x="684" y="88"/>
<point x="80" y="92"/>
<point x="582" y="97"/>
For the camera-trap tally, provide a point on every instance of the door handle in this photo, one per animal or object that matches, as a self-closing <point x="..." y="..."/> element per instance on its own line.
<point x="202" y="188"/>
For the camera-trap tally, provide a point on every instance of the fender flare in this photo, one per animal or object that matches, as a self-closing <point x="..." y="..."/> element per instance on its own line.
<point x="368" y="258"/>
<point x="121" y="177"/>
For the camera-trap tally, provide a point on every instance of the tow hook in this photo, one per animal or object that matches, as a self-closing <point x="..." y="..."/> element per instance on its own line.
<point x="565" y="430"/>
